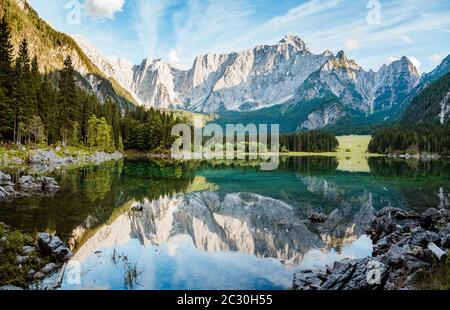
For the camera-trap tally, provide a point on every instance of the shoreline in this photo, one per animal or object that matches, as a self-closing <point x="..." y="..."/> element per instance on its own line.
<point x="409" y="252"/>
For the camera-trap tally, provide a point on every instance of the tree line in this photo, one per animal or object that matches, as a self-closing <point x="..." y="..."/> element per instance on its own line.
<point x="411" y="139"/>
<point x="310" y="141"/>
<point x="52" y="109"/>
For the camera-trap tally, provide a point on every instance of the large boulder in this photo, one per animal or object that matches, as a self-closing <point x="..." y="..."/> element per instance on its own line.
<point x="53" y="246"/>
<point x="349" y="274"/>
<point x="44" y="157"/>
<point x="430" y="218"/>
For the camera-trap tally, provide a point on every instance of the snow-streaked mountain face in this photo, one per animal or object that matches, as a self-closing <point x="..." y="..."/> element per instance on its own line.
<point x="119" y="69"/>
<point x="394" y="83"/>
<point x="262" y="77"/>
<point x="366" y="91"/>
<point x="252" y="79"/>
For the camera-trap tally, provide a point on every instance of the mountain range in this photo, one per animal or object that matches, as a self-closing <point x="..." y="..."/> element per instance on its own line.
<point x="283" y="83"/>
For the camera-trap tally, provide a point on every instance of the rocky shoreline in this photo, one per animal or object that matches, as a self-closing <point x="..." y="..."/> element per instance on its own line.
<point x="27" y="260"/>
<point x="405" y="245"/>
<point x="45" y="161"/>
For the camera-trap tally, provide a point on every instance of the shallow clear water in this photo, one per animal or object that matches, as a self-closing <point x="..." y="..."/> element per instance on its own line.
<point x="152" y="225"/>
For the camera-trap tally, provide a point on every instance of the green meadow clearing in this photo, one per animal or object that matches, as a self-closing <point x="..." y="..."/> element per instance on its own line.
<point x="352" y="153"/>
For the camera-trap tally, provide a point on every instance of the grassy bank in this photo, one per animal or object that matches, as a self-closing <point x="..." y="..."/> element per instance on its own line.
<point x="13" y="272"/>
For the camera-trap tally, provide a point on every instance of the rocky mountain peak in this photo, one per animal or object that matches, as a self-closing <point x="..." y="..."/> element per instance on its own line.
<point x="294" y="40"/>
<point x="341" y="56"/>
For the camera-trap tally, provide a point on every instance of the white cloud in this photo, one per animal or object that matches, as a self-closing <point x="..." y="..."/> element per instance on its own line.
<point x="147" y="24"/>
<point x="210" y="26"/>
<point x="437" y="58"/>
<point x="103" y="8"/>
<point x="407" y="40"/>
<point x="415" y="62"/>
<point x="351" y="45"/>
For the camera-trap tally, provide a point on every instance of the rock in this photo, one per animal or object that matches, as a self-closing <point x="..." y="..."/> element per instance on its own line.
<point x="430" y="218"/>
<point x="38" y="275"/>
<point x="48" y="268"/>
<point x="53" y="246"/>
<point x="48" y="183"/>
<point x="380" y="227"/>
<point x="7" y="192"/>
<point x="421" y="237"/>
<point x="308" y="280"/>
<point x="44" y="157"/>
<point x="4" y="178"/>
<point x="22" y="259"/>
<point x="30" y="274"/>
<point x="27" y="250"/>
<point x="445" y="239"/>
<point x="317" y="217"/>
<point x="397" y="213"/>
<point x="349" y="274"/>
<point x="404" y="245"/>
<point x="28" y="183"/>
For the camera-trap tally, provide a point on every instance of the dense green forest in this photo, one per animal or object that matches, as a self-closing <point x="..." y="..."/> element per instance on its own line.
<point x="426" y="106"/>
<point x="310" y="141"/>
<point x="411" y="139"/>
<point x="422" y="127"/>
<point x="53" y="109"/>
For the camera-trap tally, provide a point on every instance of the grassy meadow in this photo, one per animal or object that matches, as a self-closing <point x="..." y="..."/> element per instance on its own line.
<point x="352" y="153"/>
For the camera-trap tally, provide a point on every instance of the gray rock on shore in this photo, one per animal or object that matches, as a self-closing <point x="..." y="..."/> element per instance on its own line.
<point x="53" y="246"/>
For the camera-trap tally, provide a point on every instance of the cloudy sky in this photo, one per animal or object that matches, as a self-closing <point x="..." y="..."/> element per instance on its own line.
<point x="371" y="32"/>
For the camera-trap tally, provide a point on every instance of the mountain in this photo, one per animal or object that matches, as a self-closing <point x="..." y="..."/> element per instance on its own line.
<point x="247" y="80"/>
<point x="428" y="78"/>
<point x="53" y="47"/>
<point x="431" y="105"/>
<point x="281" y="79"/>
<point x="340" y="93"/>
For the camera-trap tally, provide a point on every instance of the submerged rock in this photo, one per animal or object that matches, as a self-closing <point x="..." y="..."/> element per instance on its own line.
<point x="53" y="246"/>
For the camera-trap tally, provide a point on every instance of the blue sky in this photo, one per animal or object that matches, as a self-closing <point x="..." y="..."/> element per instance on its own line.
<point x="371" y="32"/>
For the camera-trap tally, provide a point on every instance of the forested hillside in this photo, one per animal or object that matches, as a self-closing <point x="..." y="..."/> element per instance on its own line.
<point x="412" y="139"/>
<point x="53" y="109"/>
<point x="54" y="47"/>
<point x="432" y="105"/>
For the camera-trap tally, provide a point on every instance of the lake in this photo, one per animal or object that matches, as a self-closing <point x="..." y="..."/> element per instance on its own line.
<point x="150" y="224"/>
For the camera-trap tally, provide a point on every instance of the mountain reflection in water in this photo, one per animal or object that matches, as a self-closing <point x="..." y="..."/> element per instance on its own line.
<point x="220" y="225"/>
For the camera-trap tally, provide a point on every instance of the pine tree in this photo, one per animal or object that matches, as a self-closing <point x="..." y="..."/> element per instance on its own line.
<point x="36" y="129"/>
<point x="67" y="100"/>
<point x="6" y="116"/>
<point x="103" y="139"/>
<point x="75" y="134"/>
<point x="6" y="56"/>
<point x="92" y="131"/>
<point x="21" y="95"/>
